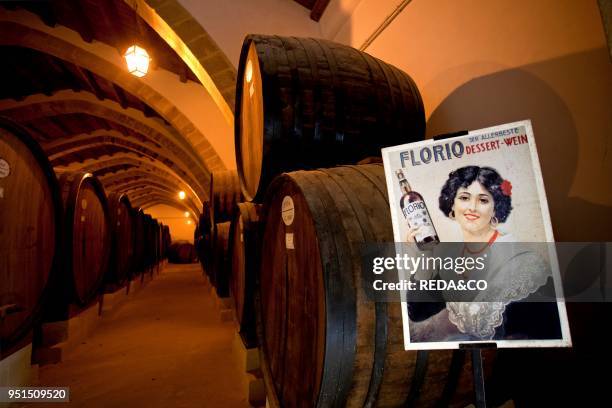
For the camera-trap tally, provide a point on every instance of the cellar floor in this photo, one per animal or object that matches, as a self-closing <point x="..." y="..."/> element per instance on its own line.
<point x="165" y="347"/>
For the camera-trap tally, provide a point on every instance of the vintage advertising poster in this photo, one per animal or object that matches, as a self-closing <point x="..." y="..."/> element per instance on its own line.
<point x="475" y="206"/>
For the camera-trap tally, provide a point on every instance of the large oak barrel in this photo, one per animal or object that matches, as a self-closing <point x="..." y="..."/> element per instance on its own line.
<point x="147" y="231"/>
<point x="167" y="239"/>
<point x="203" y="241"/>
<point x="323" y="342"/>
<point x="303" y="103"/>
<point x="224" y="195"/>
<point x="160" y="245"/>
<point x="205" y="222"/>
<point x="181" y="252"/>
<point x="120" y="211"/>
<point x="30" y="232"/>
<point x="87" y="234"/>
<point x="155" y="242"/>
<point x="244" y="253"/>
<point x="138" y="236"/>
<point x="220" y="259"/>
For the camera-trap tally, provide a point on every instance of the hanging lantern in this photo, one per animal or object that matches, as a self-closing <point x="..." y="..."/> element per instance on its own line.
<point x="137" y="60"/>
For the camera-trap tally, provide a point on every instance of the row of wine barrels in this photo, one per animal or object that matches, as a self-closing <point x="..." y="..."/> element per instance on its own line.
<point x="182" y="252"/>
<point x="60" y="240"/>
<point x="244" y="253"/>
<point x="149" y="242"/>
<point x="203" y="238"/>
<point x="304" y="103"/>
<point x="323" y="342"/>
<point x="148" y="239"/>
<point x="30" y="235"/>
<point x="138" y="232"/>
<point x="166" y="241"/>
<point x="220" y="259"/>
<point x="120" y="211"/>
<point x="87" y="234"/>
<point x="224" y="195"/>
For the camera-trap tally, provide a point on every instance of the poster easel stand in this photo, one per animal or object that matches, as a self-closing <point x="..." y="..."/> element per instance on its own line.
<point x="475" y="349"/>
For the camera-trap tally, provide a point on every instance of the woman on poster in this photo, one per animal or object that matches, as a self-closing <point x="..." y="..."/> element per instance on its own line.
<point x="479" y="200"/>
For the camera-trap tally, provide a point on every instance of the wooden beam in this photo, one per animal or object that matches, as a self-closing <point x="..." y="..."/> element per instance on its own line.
<point x="82" y="21"/>
<point x="61" y="68"/>
<point x="102" y="123"/>
<point x="89" y="81"/>
<point x="318" y="9"/>
<point x="61" y="126"/>
<point x="120" y="95"/>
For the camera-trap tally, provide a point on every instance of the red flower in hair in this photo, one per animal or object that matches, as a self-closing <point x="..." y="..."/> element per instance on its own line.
<point x="506" y="188"/>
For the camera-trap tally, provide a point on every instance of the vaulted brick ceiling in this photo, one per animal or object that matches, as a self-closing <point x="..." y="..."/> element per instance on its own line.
<point x="87" y="119"/>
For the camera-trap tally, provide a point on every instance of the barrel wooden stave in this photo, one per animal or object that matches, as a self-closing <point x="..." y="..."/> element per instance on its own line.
<point x="138" y="240"/>
<point x="323" y="341"/>
<point x="120" y="211"/>
<point x="220" y="259"/>
<point x="244" y="255"/>
<point x="31" y="210"/>
<point x="303" y="103"/>
<point x="224" y="195"/>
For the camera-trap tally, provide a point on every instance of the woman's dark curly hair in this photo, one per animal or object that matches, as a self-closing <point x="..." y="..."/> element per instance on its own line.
<point x="490" y="180"/>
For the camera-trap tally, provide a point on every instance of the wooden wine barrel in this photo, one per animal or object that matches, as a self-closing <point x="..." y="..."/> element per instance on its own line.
<point x="181" y="252"/>
<point x="244" y="254"/>
<point x="160" y="242"/>
<point x="158" y="248"/>
<point x="323" y="342"/>
<point x="224" y="195"/>
<point x="166" y="239"/>
<point x="120" y="211"/>
<point x="205" y="222"/>
<point x="220" y="259"/>
<point x="87" y="234"/>
<point x="204" y="241"/>
<point x="138" y="261"/>
<point x="31" y="211"/>
<point x="149" y="254"/>
<point x="304" y="103"/>
<point x="155" y="241"/>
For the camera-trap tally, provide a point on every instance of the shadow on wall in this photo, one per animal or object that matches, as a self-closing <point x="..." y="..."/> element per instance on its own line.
<point x="518" y="94"/>
<point x="552" y="377"/>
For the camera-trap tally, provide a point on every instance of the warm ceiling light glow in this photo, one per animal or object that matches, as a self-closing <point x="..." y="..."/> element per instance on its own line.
<point x="137" y="60"/>
<point x="248" y="74"/>
<point x="187" y="214"/>
<point x="188" y="222"/>
<point x="182" y="195"/>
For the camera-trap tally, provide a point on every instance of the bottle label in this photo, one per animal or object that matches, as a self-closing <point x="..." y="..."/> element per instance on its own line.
<point x="287" y="210"/>
<point x="417" y="215"/>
